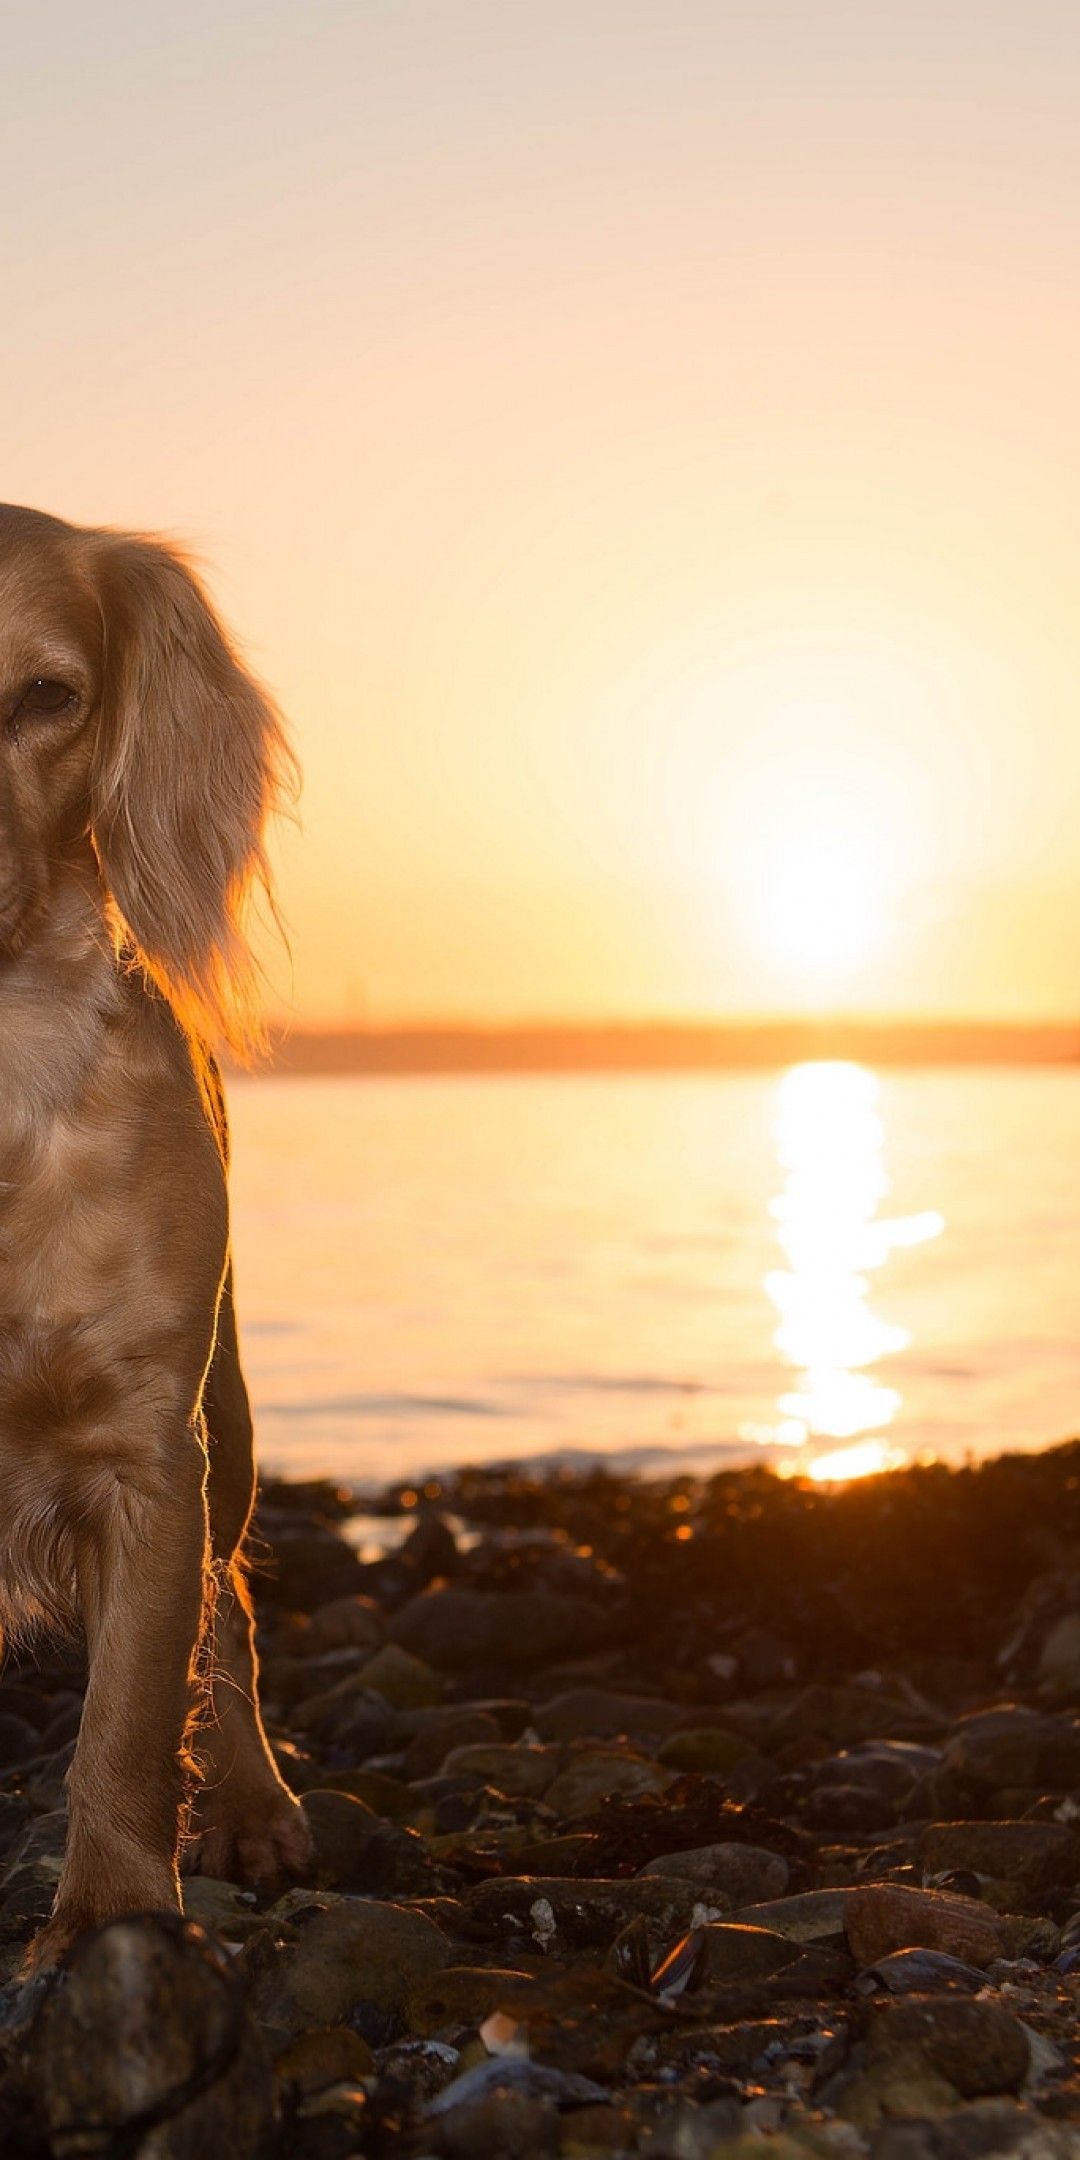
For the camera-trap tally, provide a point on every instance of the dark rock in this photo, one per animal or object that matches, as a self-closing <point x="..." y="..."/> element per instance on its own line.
<point x="707" y="1748"/>
<point x="881" y="1917"/>
<point x="348" y="1713"/>
<point x="456" y="1627"/>
<point x="920" y="1972"/>
<point x="345" y="1623"/>
<point x="1012" y="1745"/>
<point x="594" y="1775"/>
<point x="341" y="1828"/>
<point x="18" y="1739"/>
<point x="508" y="1767"/>
<point x="763" y="1660"/>
<point x="579" y="1914"/>
<point x="146" y="2038"/>
<point x="356" y="1850"/>
<point x="312" y="1565"/>
<point x="431" y="1548"/>
<point x="1034" y="1855"/>
<point x="846" y="1714"/>
<point x="417" y="2070"/>
<point x="814" y="1916"/>
<point x="445" y="1726"/>
<point x="462" y="1995"/>
<point x="401" y="1679"/>
<point x="987" y="2130"/>
<point x="346" y="1953"/>
<point x="329" y="2056"/>
<point x="733" y="1952"/>
<point x="595" y="1713"/>
<point x="977" y="2045"/>
<point x="839" y="1808"/>
<point x="501" y="2125"/>
<point x="742" y="1874"/>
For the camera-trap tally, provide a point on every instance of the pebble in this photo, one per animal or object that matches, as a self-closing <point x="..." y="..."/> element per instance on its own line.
<point x="744" y="1874"/>
<point x="882" y="1917"/>
<point x="455" y="1627"/>
<point x="345" y="1953"/>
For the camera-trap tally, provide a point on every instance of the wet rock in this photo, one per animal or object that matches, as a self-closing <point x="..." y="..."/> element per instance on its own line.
<point x="985" y="2130"/>
<point x="906" y="2086"/>
<point x="455" y="1627"/>
<point x="1013" y="1745"/>
<point x="312" y="1565"/>
<point x="431" y="1549"/>
<point x="1034" y="1855"/>
<point x="840" y="1808"/>
<point x="594" y="1713"/>
<point x="349" y="1714"/>
<point x="977" y="2045"/>
<point x="881" y="1917"/>
<point x="590" y="2132"/>
<point x="332" y="2055"/>
<point x="385" y="1796"/>
<point x="462" y="1995"/>
<point x="444" y="1727"/>
<point x="760" y="1660"/>
<point x="591" y="1777"/>
<point x="345" y="1623"/>
<point x="744" y="1874"/>
<point x="356" y="1850"/>
<point x="344" y="1954"/>
<point x="813" y="1917"/>
<point x="418" y="2068"/>
<point x="146" y="2039"/>
<point x="846" y="1714"/>
<point x="221" y="1907"/>
<point x="887" y="1767"/>
<point x="708" y="1748"/>
<point x="526" y="1771"/>
<point x="516" y="2074"/>
<point x="729" y="1951"/>
<point x="28" y="1703"/>
<point x="579" y="1914"/>
<point x="920" y="1972"/>
<point x="405" y="1681"/>
<point x="18" y="1739"/>
<point x="501" y="2125"/>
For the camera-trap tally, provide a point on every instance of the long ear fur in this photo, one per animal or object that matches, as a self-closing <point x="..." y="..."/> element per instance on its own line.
<point x="191" y="758"/>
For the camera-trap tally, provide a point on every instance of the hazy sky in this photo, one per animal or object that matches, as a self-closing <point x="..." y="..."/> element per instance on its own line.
<point x="639" y="443"/>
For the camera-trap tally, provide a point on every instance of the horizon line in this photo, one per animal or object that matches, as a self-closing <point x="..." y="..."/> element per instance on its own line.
<point x="664" y="1045"/>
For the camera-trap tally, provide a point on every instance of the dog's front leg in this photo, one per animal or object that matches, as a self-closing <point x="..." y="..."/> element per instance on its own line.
<point x="141" y="1561"/>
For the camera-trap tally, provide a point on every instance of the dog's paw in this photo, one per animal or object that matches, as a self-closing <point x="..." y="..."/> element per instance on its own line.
<point x="259" y="1837"/>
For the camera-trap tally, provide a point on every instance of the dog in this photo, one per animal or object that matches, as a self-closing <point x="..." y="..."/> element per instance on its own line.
<point x="139" y="761"/>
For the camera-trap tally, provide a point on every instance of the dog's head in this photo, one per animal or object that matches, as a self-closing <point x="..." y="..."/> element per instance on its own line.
<point x="126" y="715"/>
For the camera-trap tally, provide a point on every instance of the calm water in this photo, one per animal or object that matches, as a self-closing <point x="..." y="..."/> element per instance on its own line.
<point x="797" y="1267"/>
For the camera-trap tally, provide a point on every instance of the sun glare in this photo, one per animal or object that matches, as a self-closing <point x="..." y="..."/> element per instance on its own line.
<point x="830" y="1143"/>
<point x="867" y="1458"/>
<point x="822" y="910"/>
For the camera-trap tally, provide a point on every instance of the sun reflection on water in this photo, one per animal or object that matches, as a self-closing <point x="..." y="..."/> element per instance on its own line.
<point x="830" y="1143"/>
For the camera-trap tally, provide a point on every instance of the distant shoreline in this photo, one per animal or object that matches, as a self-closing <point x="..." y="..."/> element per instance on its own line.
<point x="667" y="1047"/>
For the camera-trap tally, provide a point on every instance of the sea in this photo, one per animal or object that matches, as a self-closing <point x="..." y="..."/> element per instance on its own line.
<point x="829" y="1270"/>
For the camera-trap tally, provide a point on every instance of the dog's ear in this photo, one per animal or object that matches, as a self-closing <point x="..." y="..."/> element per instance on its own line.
<point x="190" y="758"/>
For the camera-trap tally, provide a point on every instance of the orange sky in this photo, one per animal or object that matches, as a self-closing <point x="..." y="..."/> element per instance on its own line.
<point x="639" y="443"/>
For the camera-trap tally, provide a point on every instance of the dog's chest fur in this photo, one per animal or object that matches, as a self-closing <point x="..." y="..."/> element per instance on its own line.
<point x="111" y="1253"/>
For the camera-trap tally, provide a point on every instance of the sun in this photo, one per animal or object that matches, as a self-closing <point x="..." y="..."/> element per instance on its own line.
<point x="820" y="905"/>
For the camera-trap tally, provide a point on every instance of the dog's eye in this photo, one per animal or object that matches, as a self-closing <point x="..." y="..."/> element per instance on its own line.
<point x="43" y="699"/>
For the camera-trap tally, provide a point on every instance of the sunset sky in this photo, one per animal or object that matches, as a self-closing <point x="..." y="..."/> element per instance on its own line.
<point x="640" y="444"/>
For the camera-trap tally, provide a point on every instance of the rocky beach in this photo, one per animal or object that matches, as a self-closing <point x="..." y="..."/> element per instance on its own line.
<point x="689" y="1819"/>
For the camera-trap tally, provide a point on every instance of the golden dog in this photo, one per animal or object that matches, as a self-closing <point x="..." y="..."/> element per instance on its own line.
<point x="138" y="763"/>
